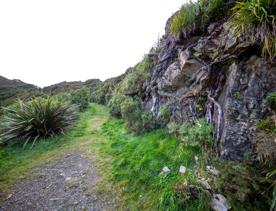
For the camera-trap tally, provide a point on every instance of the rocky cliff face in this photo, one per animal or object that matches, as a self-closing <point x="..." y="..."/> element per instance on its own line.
<point x="216" y="75"/>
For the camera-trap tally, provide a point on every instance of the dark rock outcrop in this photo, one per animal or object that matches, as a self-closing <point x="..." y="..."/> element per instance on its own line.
<point x="219" y="76"/>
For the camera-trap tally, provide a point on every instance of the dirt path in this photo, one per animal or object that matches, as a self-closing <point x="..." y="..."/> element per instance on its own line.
<point x="67" y="182"/>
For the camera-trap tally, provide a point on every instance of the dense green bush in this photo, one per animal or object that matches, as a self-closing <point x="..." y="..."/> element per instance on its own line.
<point x="39" y="118"/>
<point x="114" y="104"/>
<point x="256" y="19"/>
<point x="130" y="110"/>
<point x="173" y="128"/>
<point x="163" y="117"/>
<point x="62" y="97"/>
<point x="137" y="121"/>
<point x="267" y="125"/>
<point x="197" y="134"/>
<point x="240" y="183"/>
<point x="272" y="99"/>
<point x="136" y="75"/>
<point x="81" y="97"/>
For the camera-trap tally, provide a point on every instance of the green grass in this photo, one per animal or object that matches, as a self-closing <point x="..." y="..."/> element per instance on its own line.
<point x="196" y="15"/>
<point x="256" y="19"/>
<point x="185" y="18"/>
<point x="130" y="166"/>
<point x="137" y="162"/>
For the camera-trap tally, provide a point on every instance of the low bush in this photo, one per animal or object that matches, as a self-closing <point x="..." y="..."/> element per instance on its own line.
<point x="163" y="117"/>
<point x="137" y="121"/>
<point x="173" y="128"/>
<point x="62" y="97"/>
<point x="198" y="134"/>
<point x="39" y="118"/>
<point x="272" y="99"/>
<point x="130" y="111"/>
<point x="115" y="103"/>
<point x="81" y="97"/>
<point x="246" y="186"/>
<point x="135" y="77"/>
<point x="267" y="125"/>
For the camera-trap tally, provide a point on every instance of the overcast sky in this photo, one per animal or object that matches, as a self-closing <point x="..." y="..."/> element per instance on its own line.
<point x="48" y="41"/>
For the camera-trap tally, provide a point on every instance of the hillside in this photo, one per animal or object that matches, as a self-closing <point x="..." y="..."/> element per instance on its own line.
<point x="72" y="85"/>
<point x="11" y="90"/>
<point x="204" y="69"/>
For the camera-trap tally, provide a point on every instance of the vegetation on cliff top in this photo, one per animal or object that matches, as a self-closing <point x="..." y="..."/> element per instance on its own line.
<point x="253" y="19"/>
<point x="257" y="19"/>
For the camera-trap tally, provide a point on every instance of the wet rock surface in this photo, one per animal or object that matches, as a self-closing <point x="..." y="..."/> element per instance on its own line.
<point x="67" y="184"/>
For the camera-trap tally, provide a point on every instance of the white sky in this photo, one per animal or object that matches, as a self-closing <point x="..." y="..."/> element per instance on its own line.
<point x="48" y="41"/>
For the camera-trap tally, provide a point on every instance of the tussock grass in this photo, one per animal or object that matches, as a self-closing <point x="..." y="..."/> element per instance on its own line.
<point x="185" y="18"/>
<point x="39" y="118"/>
<point x="194" y="16"/>
<point x="16" y="162"/>
<point x="256" y="19"/>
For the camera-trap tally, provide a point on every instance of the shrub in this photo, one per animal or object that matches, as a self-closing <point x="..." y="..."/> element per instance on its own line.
<point x="163" y="116"/>
<point x="239" y="183"/>
<point x="173" y="128"/>
<point x="267" y="125"/>
<point x="98" y="96"/>
<point x="137" y="121"/>
<point x="256" y="19"/>
<point x="39" y="118"/>
<point x="114" y="104"/>
<point x="272" y="99"/>
<point x="147" y="122"/>
<point x="81" y="97"/>
<point x="133" y="81"/>
<point x="196" y="134"/>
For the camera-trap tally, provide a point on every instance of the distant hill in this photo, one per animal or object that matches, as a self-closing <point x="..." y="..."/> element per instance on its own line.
<point x="11" y="90"/>
<point x="73" y="85"/>
<point x="7" y="83"/>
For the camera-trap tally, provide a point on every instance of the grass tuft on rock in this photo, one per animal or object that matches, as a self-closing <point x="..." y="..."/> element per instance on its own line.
<point x="256" y="20"/>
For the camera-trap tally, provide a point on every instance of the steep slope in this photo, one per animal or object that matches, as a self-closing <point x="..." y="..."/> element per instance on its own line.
<point x="204" y="68"/>
<point x="218" y="76"/>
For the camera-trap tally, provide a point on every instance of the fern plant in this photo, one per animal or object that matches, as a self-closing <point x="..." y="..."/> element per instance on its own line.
<point x="39" y="118"/>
